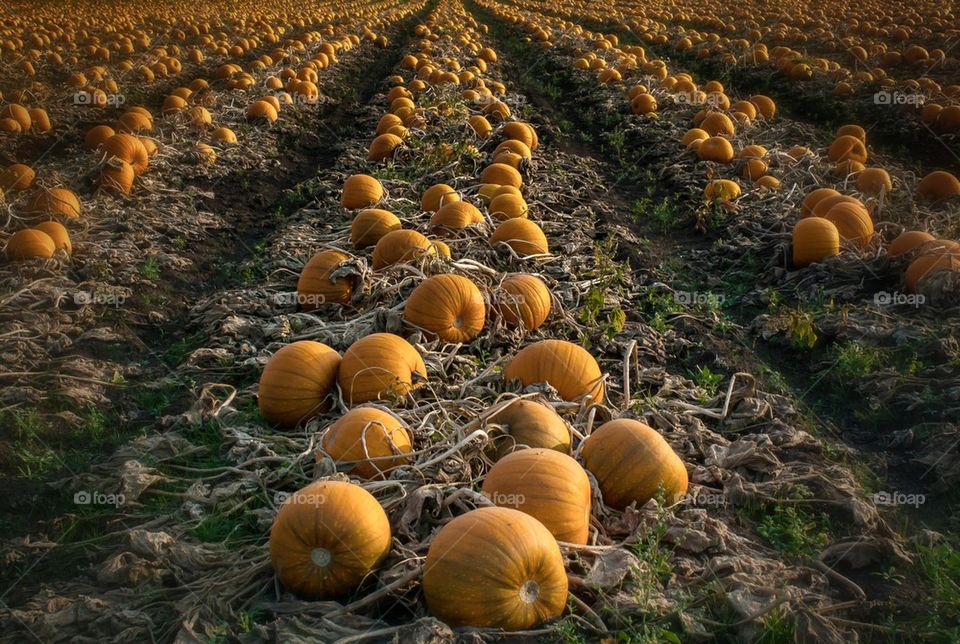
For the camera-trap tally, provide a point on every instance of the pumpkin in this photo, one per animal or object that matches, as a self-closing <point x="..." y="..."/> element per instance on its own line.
<point x="29" y="244"/>
<point x="262" y="111"/>
<point x="388" y="121"/>
<point x="521" y="132"/>
<point x="765" y="105"/>
<point x="326" y="538"/>
<point x="399" y="246"/>
<point x="718" y="124"/>
<point x="18" y="113"/>
<point x="853" y="223"/>
<point x="224" y="135"/>
<point x="378" y="366"/>
<point x="317" y="284"/>
<point x="126" y="147"/>
<point x="370" y="225"/>
<point x="55" y="201"/>
<point x="17" y="176"/>
<point x="521" y="582"/>
<point x="814" y="239"/>
<point x="631" y="461"/>
<point x="133" y="121"/>
<point x="874" y="181"/>
<point x="753" y="152"/>
<point x="481" y="126"/>
<point x="846" y="148"/>
<point x="546" y="484"/>
<point x="722" y="190"/>
<point x="58" y="233"/>
<point x="117" y="175"/>
<point x="694" y="134"/>
<point x="456" y="215"/>
<point x="907" y="241"/>
<point x="717" y="149"/>
<point x="823" y="206"/>
<point x="643" y="104"/>
<point x="203" y="153"/>
<point x="360" y="191"/>
<point x="852" y="130"/>
<point x="40" y="120"/>
<point x="768" y="182"/>
<point x="753" y="169"/>
<point x="97" y="136"/>
<point x="508" y="206"/>
<point x="512" y="145"/>
<point x="523" y="300"/>
<point x="438" y="195"/>
<point x="938" y="185"/>
<point x="383" y="147"/>
<point x="296" y="382"/>
<point x="502" y="175"/>
<point x="522" y="235"/>
<point x="928" y="263"/>
<point x="526" y="422"/>
<point x="372" y="439"/>
<point x="450" y="307"/>
<point x="565" y="366"/>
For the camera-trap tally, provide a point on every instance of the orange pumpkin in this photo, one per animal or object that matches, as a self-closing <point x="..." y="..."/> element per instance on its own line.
<point x="373" y="440"/>
<point x="297" y="381"/>
<point x="522" y="235"/>
<point x="814" y="239"/>
<point x="29" y="244"/>
<point x="55" y="201"/>
<point x="437" y="196"/>
<point x="546" y="484"/>
<point x="400" y="246"/>
<point x="528" y="423"/>
<point x="58" y="233"/>
<point x="326" y="538"/>
<point x="907" y="241"/>
<point x="631" y="461"/>
<point x="380" y="366"/>
<point x="318" y="285"/>
<point x="523" y="300"/>
<point x="521" y="583"/>
<point x="454" y="216"/>
<point x="370" y="225"/>
<point x="565" y="366"/>
<point x="450" y="307"/>
<point x="360" y="191"/>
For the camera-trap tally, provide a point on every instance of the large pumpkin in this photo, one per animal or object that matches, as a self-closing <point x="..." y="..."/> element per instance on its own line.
<point x="522" y="235"/>
<point x="29" y="244"/>
<point x="374" y="440"/>
<point x="523" y="300"/>
<point x="631" y="461"/>
<point x="378" y="366"/>
<point x="495" y="568"/>
<point x="907" y="241"/>
<point x="717" y="149"/>
<point x="297" y="381"/>
<point x="360" y="191"/>
<point x="400" y="246"/>
<point x="814" y="239"/>
<point x="55" y="201"/>
<point x="58" y="233"/>
<point x="448" y="306"/>
<point x="815" y="197"/>
<point x="938" y="185"/>
<point x="502" y="175"/>
<point x="507" y="206"/>
<point x="853" y="222"/>
<point x="326" y="538"/>
<point x="126" y="147"/>
<point x="456" y="215"/>
<point x="529" y="423"/>
<point x="568" y="368"/>
<point x="437" y="196"/>
<point x="318" y="285"/>
<point x="549" y="486"/>
<point x="370" y="225"/>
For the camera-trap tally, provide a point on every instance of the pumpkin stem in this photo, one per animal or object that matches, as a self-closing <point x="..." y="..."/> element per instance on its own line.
<point x="320" y="557"/>
<point x="529" y="592"/>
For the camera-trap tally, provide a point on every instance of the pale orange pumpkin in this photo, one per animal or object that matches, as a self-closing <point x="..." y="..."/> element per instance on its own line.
<point x="450" y="307"/>
<point x="318" y="285"/>
<point x="360" y="191"/>
<point x="523" y="300"/>
<point x="522" y="235"/>
<point x="373" y="440"/>
<point x="297" y="381"/>
<point x="370" y="225"/>
<point x="567" y="367"/>
<point x="380" y="366"/>
<point x="814" y="239"/>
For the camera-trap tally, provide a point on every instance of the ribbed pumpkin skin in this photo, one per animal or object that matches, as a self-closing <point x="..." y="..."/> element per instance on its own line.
<point x="502" y="175"/>
<point x="17" y="177"/>
<point x="814" y="239"/>
<point x="530" y="423"/>
<point x="448" y="306"/>
<point x="118" y="176"/>
<point x="507" y="206"/>
<point x="525" y="300"/>
<point x="378" y="366"/>
<point x="400" y="246"/>
<point x="717" y="149"/>
<point x="815" y="197"/>
<point x="852" y="222"/>
<point x="480" y="566"/>
<point x="368" y="437"/>
<point x="29" y="244"/>
<point x="316" y="287"/>
<point x="630" y="461"/>
<point x="326" y="538"/>
<point x="437" y="196"/>
<point x="126" y="147"/>
<point x="522" y="235"/>
<point x="56" y="201"/>
<point x="927" y="264"/>
<point x="370" y="225"/>
<point x="59" y="235"/>
<point x="97" y="136"/>
<point x="907" y="241"/>
<point x="938" y="185"/>
<point x="874" y="181"/>
<point x="568" y="368"/>
<point x="360" y="191"/>
<point x="523" y="132"/>
<point x="456" y="215"/>
<point x="383" y="146"/>
<point x="549" y="486"/>
<point x="296" y="382"/>
<point x="826" y="204"/>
